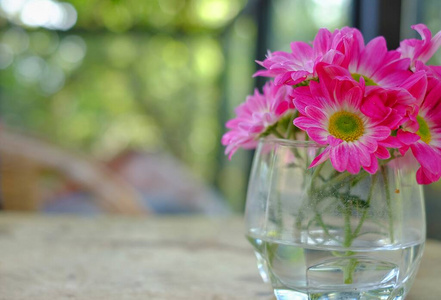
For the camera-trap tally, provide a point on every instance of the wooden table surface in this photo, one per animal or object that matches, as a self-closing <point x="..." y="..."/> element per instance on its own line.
<point x="114" y="257"/>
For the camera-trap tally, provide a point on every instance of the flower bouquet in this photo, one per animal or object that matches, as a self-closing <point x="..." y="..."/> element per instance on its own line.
<point x="346" y="133"/>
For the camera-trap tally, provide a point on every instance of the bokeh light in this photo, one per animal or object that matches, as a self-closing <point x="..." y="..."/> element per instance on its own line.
<point x="103" y="77"/>
<point x="216" y="13"/>
<point x="329" y="13"/>
<point x="6" y="56"/>
<point x="40" y="13"/>
<point x="72" y="49"/>
<point x="44" y="42"/>
<point x="52" y="79"/>
<point x="30" y="68"/>
<point x="208" y="58"/>
<point x="122" y="51"/>
<point x="16" y="38"/>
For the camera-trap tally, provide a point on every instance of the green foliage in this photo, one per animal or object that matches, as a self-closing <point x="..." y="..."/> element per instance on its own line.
<point x="159" y="75"/>
<point x="131" y="74"/>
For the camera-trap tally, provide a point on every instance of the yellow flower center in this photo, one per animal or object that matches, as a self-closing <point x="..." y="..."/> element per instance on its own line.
<point x="367" y="80"/>
<point x="346" y="126"/>
<point x="424" y="131"/>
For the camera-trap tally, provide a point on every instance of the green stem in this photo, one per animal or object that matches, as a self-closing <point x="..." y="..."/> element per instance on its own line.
<point x="338" y="179"/>
<point x="290" y="129"/>
<point x="277" y="133"/>
<point x="349" y="236"/>
<point x="323" y="225"/>
<point x="365" y="210"/>
<point x="348" y="232"/>
<point x="389" y="204"/>
<point x="349" y="270"/>
<point x="333" y="186"/>
<point x="316" y="173"/>
<point x="313" y="196"/>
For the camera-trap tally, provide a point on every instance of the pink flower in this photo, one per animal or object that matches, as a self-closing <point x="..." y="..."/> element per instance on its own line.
<point x="373" y="62"/>
<point x="431" y="71"/>
<point x="331" y="115"/>
<point x="424" y="139"/>
<point x="361" y="101"/>
<point x="392" y="107"/>
<point x="387" y="107"/>
<point x="420" y="50"/>
<point x="344" y="47"/>
<point x="299" y="65"/>
<point x="259" y="112"/>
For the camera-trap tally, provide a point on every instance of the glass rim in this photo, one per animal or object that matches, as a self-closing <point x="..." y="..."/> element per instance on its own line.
<point x="289" y="142"/>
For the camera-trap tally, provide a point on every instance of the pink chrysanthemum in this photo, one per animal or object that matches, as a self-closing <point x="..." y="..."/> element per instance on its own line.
<point x="255" y="116"/>
<point x="331" y="115"/>
<point x="373" y="62"/>
<point x="357" y="100"/>
<point x="423" y="135"/>
<point x="420" y="50"/>
<point x="387" y="107"/>
<point x="299" y="65"/>
<point x="344" y="47"/>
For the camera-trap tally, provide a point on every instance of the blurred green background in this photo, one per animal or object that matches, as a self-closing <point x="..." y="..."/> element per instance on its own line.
<point x="104" y="77"/>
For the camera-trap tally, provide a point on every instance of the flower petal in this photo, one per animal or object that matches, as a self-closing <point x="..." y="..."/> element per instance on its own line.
<point x="406" y="137"/>
<point x="339" y="157"/>
<point x="425" y="177"/>
<point x="315" y="113"/>
<point x="427" y="157"/>
<point x="320" y="158"/>
<point x="319" y="135"/>
<point x="372" y="168"/>
<point x="372" y="56"/>
<point x="305" y="123"/>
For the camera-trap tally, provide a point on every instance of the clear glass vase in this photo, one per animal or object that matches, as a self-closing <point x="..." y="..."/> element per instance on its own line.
<point x="321" y="234"/>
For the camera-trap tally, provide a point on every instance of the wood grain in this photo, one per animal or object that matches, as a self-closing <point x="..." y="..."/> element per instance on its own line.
<point x="116" y="257"/>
